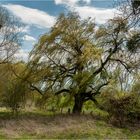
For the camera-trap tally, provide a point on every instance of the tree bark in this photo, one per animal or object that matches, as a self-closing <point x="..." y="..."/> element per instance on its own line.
<point x="78" y="104"/>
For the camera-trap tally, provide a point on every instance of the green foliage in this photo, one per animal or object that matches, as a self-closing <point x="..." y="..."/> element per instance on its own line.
<point x="136" y="88"/>
<point x="122" y="108"/>
<point x="14" y="95"/>
<point x="13" y="89"/>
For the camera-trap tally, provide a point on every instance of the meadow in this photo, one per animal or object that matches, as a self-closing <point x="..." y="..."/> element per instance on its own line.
<point x="47" y="125"/>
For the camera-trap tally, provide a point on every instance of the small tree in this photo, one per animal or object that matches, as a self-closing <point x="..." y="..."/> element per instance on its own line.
<point x="13" y="90"/>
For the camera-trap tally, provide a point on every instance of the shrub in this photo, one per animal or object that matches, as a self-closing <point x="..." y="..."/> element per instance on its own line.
<point x="14" y="96"/>
<point x="123" y="109"/>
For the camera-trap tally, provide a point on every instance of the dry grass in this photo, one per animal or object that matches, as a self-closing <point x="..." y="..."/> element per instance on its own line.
<point x="61" y="126"/>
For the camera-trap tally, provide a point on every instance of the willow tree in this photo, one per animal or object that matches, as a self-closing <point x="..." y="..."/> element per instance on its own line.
<point x="80" y="61"/>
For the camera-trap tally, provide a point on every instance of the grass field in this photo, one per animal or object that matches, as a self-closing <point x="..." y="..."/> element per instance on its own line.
<point x="40" y="125"/>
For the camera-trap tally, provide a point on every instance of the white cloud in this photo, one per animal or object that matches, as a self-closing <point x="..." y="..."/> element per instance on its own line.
<point x="31" y="16"/>
<point x="71" y="2"/>
<point x="21" y="55"/>
<point x="25" y="29"/>
<point x="100" y="15"/>
<point x="29" y="38"/>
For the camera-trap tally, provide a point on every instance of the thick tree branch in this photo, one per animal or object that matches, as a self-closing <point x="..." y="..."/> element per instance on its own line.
<point x="32" y="87"/>
<point x="106" y="60"/>
<point x="99" y="88"/>
<point x="61" y="91"/>
<point x="35" y="88"/>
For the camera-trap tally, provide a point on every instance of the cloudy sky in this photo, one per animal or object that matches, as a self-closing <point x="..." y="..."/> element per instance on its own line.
<point x="39" y="15"/>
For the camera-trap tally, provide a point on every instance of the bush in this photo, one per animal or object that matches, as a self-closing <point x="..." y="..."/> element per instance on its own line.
<point x="14" y="96"/>
<point x="123" y="109"/>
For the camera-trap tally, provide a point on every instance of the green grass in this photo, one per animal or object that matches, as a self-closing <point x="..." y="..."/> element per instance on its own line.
<point x="39" y="125"/>
<point x="2" y="136"/>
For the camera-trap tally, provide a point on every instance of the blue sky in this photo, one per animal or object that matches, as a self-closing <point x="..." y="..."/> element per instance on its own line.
<point x="39" y="15"/>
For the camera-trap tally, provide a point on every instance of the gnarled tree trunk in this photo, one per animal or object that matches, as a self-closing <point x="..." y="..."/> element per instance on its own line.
<point x="78" y="104"/>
